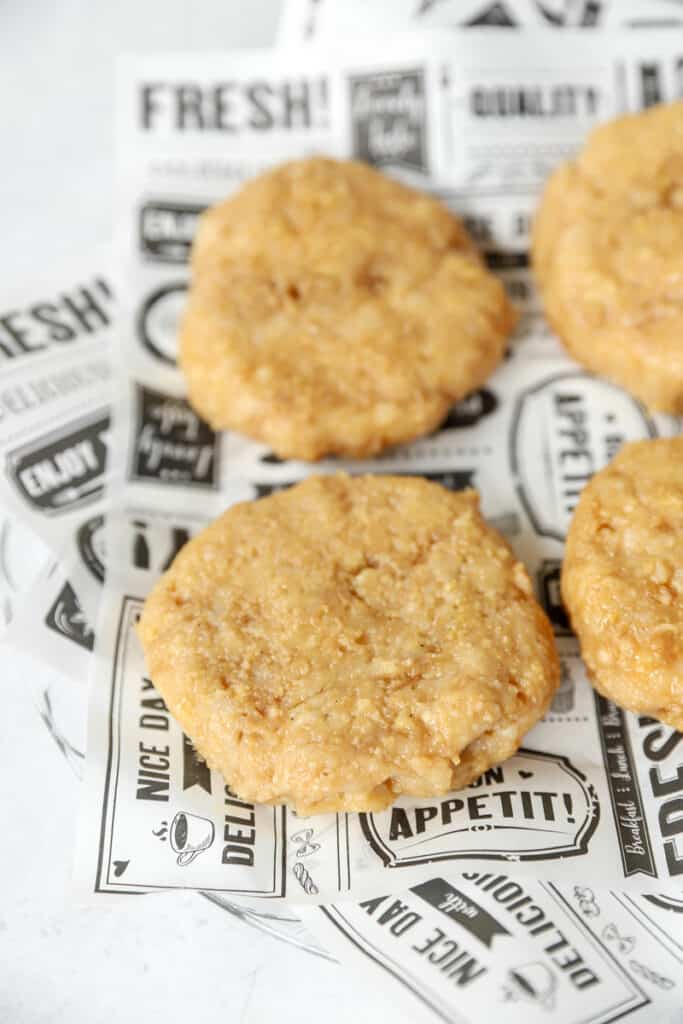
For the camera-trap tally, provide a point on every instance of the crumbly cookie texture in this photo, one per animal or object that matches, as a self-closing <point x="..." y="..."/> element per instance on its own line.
<point x="622" y="579"/>
<point x="607" y="250"/>
<point x="348" y="641"/>
<point x="334" y="311"/>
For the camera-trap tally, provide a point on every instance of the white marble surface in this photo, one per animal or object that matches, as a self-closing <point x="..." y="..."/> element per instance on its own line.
<point x="172" y="958"/>
<point x="168" y="959"/>
<point x="57" y="61"/>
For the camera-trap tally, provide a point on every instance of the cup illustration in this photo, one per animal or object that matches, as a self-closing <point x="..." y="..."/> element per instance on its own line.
<point x="190" y="835"/>
<point x="534" y="982"/>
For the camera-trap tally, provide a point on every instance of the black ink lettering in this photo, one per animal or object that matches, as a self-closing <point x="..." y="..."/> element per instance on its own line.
<point x="87" y="311"/>
<point x="16" y="333"/>
<point x="671" y="817"/>
<point x="422" y="816"/>
<point x="189" y="112"/>
<point x="476" y="806"/>
<point x="392" y="911"/>
<point x="651" y="745"/>
<point x="664" y="787"/>
<point x="223" y="107"/>
<point x="400" y="826"/>
<point x="296" y="104"/>
<point x="430" y="942"/>
<point x="243" y="855"/>
<point x="450" y="946"/>
<point x="46" y="313"/>
<point x="405" y="923"/>
<point x="508" y="891"/>
<point x="505" y="798"/>
<point x="673" y="862"/>
<point x="370" y="906"/>
<point x="149" y="104"/>
<point x="449" y="808"/>
<point x="547" y="802"/>
<point x="258" y="94"/>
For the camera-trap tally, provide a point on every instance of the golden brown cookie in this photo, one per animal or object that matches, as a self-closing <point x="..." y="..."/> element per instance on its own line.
<point x="335" y="311"/>
<point x="608" y="252"/>
<point x="348" y="641"/>
<point x="622" y="579"/>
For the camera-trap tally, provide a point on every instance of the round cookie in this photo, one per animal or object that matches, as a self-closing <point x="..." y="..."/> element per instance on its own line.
<point x="622" y="578"/>
<point x="333" y="311"/>
<point x="348" y="641"/>
<point x="608" y="253"/>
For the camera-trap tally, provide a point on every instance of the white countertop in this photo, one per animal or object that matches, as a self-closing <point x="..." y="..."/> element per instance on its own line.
<point x="158" y="958"/>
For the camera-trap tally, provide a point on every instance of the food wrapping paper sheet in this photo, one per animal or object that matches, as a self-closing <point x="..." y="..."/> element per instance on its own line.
<point x="593" y="791"/>
<point x="483" y="946"/>
<point x="310" y="21"/>
<point x="55" y="425"/>
<point x="54" y="401"/>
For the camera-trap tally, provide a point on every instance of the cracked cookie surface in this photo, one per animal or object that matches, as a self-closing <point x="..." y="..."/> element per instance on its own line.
<point x="622" y="578"/>
<point x="607" y="251"/>
<point x="335" y="311"/>
<point x="348" y="641"/>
